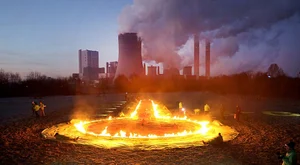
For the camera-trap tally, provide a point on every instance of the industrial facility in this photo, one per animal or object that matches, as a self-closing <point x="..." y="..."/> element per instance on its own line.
<point x="130" y="55"/>
<point x="130" y="61"/>
<point x="196" y="55"/>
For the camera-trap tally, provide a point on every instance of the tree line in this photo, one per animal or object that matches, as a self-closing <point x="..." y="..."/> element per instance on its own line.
<point x="273" y="83"/>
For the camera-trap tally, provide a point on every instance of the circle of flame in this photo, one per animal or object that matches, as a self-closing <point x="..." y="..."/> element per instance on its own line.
<point x="77" y="128"/>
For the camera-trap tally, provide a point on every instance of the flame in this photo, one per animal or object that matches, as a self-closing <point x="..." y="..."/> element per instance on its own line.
<point x="133" y="114"/>
<point x="204" y="129"/>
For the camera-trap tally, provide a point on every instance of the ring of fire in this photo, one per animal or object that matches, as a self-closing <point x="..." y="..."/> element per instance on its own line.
<point x="147" y="127"/>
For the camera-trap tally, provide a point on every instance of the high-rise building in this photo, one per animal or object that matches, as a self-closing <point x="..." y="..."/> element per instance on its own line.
<point x="90" y="60"/>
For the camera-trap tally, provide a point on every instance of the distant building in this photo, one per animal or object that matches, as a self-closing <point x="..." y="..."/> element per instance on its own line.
<point x="90" y="73"/>
<point x="75" y="76"/>
<point x="187" y="71"/>
<point x="87" y="59"/>
<point x="171" y="72"/>
<point x="152" y="71"/>
<point x="111" y="68"/>
<point x="130" y="55"/>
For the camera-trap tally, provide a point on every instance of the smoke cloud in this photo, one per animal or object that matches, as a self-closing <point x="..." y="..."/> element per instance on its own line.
<point x="245" y="35"/>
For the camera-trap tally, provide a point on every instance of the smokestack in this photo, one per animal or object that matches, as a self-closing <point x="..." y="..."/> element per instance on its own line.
<point x="130" y="55"/>
<point x="145" y="69"/>
<point x="196" y="55"/>
<point x="207" y="59"/>
<point x="107" y="69"/>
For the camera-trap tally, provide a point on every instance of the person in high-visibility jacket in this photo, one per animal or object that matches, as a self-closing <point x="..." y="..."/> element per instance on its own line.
<point x="42" y="108"/>
<point x="206" y="109"/>
<point x="180" y="105"/>
<point x="36" y="109"/>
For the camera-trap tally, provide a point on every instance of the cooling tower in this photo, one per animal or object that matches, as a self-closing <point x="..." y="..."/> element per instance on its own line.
<point x="196" y="55"/>
<point x="130" y="55"/>
<point x="207" y="59"/>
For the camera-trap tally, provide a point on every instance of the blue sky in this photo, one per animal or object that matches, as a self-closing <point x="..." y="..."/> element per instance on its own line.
<point x="45" y="35"/>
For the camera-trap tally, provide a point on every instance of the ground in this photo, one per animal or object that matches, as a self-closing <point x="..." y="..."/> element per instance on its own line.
<point x="261" y="136"/>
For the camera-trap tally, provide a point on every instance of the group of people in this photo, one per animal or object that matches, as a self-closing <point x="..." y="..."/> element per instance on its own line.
<point x="38" y="109"/>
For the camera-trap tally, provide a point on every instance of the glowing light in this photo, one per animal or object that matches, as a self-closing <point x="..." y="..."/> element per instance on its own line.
<point x="133" y="114"/>
<point x="162" y="128"/>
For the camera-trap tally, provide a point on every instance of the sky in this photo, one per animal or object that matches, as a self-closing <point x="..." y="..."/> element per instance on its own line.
<point x="245" y="35"/>
<point x="45" y="35"/>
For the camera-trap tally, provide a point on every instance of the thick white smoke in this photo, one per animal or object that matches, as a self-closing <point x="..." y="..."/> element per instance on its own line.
<point x="245" y="34"/>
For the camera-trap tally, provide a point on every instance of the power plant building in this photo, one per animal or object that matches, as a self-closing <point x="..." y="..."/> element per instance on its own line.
<point x="111" y="69"/>
<point x="171" y="72"/>
<point x="187" y="71"/>
<point x="152" y="71"/>
<point x="196" y="55"/>
<point x="130" y="55"/>
<point x="207" y="59"/>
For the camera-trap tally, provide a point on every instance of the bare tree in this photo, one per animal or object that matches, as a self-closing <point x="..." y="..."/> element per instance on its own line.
<point x="35" y="76"/>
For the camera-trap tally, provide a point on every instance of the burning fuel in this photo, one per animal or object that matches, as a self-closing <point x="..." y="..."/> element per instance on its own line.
<point x="147" y="126"/>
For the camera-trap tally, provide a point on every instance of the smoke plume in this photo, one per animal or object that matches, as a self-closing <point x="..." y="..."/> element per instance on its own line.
<point x="245" y="35"/>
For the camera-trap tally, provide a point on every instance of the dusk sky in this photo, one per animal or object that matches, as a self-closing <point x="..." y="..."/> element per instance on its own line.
<point x="246" y="35"/>
<point x="45" y="35"/>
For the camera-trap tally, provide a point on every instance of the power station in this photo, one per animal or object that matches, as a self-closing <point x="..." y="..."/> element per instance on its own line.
<point x="130" y="55"/>
<point x="130" y="60"/>
<point x="207" y="58"/>
<point x="196" y="55"/>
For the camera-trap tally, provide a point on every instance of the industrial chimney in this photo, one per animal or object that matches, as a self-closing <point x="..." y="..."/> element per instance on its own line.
<point x="196" y="55"/>
<point x="130" y="55"/>
<point x="207" y="59"/>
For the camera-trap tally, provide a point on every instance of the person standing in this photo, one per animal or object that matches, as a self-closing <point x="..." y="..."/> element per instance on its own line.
<point x="206" y="109"/>
<point x="180" y="106"/>
<point x="290" y="158"/>
<point x="238" y="113"/>
<point x="36" y="109"/>
<point x="42" y="108"/>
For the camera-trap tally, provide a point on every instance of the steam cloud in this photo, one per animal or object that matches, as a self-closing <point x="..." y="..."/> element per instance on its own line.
<point x="245" y="35"/>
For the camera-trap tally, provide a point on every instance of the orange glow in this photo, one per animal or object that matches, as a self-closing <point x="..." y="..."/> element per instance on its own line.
<point x="204" y="128"/>
<point x="148" y="126"/>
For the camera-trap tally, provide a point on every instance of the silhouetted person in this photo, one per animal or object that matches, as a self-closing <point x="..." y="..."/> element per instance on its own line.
<point x="63" y="137"/>
<point x="216" y="141"/>
<point x="290" y="158"/>
<point x="238" y="113"/>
